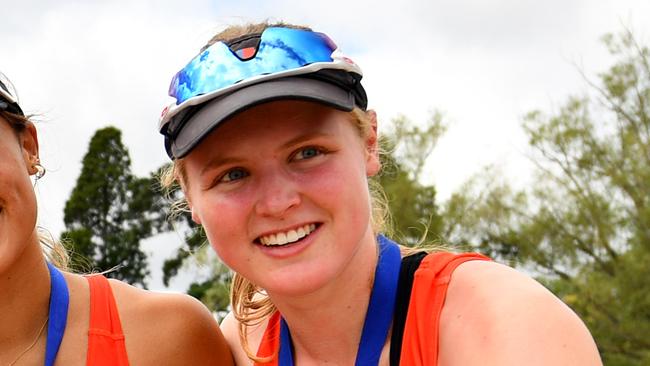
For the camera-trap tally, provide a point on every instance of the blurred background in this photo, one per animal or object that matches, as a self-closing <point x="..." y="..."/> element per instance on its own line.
<point x="516" y="128"/>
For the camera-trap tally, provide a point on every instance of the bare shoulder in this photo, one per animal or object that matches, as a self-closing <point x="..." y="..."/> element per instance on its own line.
<point x="168" y="328"/>
<point x="230" y="328"/>
<point x="507" y="318"/>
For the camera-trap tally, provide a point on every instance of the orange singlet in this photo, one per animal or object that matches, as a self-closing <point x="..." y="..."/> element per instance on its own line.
<point x="420" y="341"/>
<point x="421" y="335"/>
<point x="105" y="337"/>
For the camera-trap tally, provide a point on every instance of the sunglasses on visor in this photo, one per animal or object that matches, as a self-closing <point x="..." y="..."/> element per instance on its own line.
<point x="279" y="50"/>
<point x="8" y="101"/>
<point x="275" y="53"/>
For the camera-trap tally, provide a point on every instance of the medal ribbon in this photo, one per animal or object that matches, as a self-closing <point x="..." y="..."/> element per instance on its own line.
<point x="378" y="316"/>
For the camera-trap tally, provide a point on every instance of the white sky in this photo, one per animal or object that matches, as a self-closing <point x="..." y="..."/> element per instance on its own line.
<point x="84" y="65"/>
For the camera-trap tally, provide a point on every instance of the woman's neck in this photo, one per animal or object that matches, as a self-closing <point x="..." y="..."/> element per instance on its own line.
<point x="326" y="325"/>
<point x="25" y="289"/>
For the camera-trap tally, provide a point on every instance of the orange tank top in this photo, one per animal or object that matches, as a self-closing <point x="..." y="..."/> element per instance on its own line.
<point x="105" y="337"/>
<point x="430" y="282"/>
<point x="420" y="340"/>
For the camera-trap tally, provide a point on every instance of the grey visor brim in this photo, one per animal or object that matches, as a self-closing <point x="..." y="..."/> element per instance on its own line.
<point x="215" y="111"/>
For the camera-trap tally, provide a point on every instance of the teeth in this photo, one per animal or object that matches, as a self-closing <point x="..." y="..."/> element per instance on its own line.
<point x="290" y="236"/>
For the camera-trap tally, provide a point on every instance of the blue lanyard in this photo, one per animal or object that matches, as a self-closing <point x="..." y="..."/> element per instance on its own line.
<point x="59" y="300"/>
<point x="378" y="316"/>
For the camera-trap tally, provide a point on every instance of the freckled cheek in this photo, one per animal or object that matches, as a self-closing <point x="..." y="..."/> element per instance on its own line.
<point x="337" y="186"/>
<point x="224" y="218"/>
<point x="226" y="227"/>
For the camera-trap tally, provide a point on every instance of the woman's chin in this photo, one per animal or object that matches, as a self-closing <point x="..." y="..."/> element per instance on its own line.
<point x="297" y="281"/>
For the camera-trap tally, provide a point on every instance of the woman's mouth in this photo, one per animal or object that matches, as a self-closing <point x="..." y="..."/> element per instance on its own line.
<point x="286" y="237"/>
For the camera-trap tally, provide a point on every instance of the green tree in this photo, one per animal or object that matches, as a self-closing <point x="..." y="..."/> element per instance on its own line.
<point x="110" y="211"/>
<point x="213" y="290"/>
<point x="412" y="204"/>
<point x="584" y="224"/>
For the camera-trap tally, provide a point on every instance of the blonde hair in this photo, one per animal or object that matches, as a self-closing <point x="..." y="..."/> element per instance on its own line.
<point x="53" y="250"/>
<point x="235" y="31"/>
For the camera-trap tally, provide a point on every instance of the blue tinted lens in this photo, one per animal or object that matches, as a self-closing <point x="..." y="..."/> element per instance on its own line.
<point x="218" y="67"/>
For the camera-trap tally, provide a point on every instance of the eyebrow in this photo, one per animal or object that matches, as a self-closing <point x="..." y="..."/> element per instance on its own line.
<point x="220" y="161"/>
<point x="306" y="136"/>
<point x="217" y="162"/>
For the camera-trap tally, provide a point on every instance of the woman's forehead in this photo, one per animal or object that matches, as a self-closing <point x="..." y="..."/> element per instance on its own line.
<point x="274" y="124"/>
<point x="280" y="117"/>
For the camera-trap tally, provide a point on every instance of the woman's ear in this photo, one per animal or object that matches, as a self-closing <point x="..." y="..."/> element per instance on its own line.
<point x="29" y="145"/>
<point x="29" y="139"/>
<point x="373" y="164"/>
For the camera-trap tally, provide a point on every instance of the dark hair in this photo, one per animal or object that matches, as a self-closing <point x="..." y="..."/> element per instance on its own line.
<point x="16" y="121"/>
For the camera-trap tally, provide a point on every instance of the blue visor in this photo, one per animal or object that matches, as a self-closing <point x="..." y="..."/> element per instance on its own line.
<point x="280" y="49"/>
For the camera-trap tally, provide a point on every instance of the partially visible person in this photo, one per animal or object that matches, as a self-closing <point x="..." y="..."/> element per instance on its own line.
<point x="52" y="317"/>
<point x="273" y="145"/>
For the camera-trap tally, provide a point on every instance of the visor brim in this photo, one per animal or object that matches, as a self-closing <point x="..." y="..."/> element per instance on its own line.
<point x="214" y="112"/>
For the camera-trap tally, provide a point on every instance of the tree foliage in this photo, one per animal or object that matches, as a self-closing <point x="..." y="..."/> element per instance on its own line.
<point x="213" y="290"/>
<point x="584" y="224"/>
<point x="110" y="211"/>
<point x="412" y="204"/>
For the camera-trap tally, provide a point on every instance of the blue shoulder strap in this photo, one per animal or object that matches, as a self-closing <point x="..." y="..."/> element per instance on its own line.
<point x="59" y="300"/>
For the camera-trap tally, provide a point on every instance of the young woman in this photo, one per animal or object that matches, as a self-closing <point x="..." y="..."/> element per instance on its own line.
<point x="273" y="145"/>
<point x="52" y="317"/>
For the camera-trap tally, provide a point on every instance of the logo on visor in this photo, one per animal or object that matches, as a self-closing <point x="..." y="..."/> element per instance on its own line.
<point x="164" y="112"/>
<point x="348" y="60"/>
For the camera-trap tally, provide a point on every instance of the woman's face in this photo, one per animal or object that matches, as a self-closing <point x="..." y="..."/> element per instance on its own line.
<point x="281" y="190"/>
<point x="17" y="199"/>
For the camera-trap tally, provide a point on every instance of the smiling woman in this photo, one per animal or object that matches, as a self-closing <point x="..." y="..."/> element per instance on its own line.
<point x="50" y="316"/>
<point x="274" y="164"/>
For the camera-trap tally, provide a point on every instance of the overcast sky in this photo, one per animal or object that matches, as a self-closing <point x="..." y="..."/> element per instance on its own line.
<point x="83" y="65"/>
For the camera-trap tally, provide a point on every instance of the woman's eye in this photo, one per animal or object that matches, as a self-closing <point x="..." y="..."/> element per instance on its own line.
<point x="308" y="153"/>
<point x="233" y="175"/>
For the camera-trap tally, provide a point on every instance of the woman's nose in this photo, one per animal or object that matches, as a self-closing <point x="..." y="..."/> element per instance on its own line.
<point x="278" y="193"/>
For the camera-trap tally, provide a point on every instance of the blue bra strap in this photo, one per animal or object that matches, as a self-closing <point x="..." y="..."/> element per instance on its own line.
<point x="59" y="301"/>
